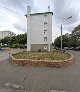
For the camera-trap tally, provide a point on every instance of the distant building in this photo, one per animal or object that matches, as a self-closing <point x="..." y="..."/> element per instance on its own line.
<point x="6" y="33"/>
<point x="39" y="30"/>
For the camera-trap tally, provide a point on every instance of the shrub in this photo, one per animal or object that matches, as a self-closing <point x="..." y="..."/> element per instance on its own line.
<point x="39" y="50"/>
<point x="14" y="46"/>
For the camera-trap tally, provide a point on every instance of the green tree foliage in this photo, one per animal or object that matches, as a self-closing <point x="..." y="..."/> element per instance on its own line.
<point x="15" y="41"/>
<point x="5" y="40"/>
<point x="72" y="41"/>
<point x="65" y="40"/>
<point x="76" y="29"/>
<point x="57" y="42"/>
<point x="22" y="38"/>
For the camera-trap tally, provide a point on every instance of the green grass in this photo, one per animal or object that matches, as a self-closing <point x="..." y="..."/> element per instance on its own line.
<point x="42" y="55"/>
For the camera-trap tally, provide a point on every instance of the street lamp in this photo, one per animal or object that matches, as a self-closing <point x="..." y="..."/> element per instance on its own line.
<point x="61" y="32"/>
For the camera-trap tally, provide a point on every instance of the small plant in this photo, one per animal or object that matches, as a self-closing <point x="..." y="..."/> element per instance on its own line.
<point x="14" y="46"/>
<point x="39" y="50"/>
<point x="42" y="55"/>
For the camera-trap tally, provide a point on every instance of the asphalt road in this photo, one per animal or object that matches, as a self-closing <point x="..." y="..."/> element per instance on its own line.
<point x="4" y="54"/>
<point x="41" y="79"/>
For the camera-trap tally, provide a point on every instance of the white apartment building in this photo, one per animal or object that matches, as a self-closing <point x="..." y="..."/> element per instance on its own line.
<point x="39" y="30"/>
<point x="6" y="33"/>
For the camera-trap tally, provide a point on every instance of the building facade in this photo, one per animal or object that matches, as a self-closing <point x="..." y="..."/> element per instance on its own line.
<point x="6" y="33"/>
<point x="39" y="31"/>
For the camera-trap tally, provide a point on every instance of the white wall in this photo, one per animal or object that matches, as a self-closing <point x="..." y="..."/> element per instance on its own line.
<point x="37" y="28"/>
<point x="28" y="28"/>
<point x="50" y="31"/>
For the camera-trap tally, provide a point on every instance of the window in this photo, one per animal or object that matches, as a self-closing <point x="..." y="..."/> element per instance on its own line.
<point x="45" y="15"/>
<point x="45" y="31"/>
<point x="45" y="22"/>
<point x="45" y="39"/>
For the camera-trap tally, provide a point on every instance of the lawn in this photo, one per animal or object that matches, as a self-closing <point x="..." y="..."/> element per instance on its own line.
<point x="42" y="55"/>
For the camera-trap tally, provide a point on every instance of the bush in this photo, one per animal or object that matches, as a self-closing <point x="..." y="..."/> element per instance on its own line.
<point x="39" y="50"/>
<point x="14" y="46"/>
<point x="17" y="46"/>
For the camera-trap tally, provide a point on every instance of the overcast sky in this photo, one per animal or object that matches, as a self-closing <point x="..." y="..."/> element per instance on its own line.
<point x="62" y="9"/>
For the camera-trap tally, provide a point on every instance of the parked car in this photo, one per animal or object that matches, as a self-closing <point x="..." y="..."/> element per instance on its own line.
<point x="66" y="48"/>
<point x="76" y="49"/>
<point x="71" y="48"/>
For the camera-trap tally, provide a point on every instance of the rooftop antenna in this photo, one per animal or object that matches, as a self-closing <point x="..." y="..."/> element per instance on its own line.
<point x="49" y="8"/>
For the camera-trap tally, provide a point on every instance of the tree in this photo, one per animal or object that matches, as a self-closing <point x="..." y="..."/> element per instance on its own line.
<point x="65" y="41"/>
<point x="5" y="40"/>
<point x="22" y="38"/>
<point x="15" y="41"/>
<point x="76" y="29"/>
<point x="72" y="41"/>
<point x="57" y="42"/>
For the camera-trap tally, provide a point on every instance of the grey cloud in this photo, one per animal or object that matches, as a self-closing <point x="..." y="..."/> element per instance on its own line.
<point x="18" y="5"/>
<point x="2" y="19"/>
<point x="64" y="9"/>
<point x="20" y="28"/>
<point x="61" y="9"/>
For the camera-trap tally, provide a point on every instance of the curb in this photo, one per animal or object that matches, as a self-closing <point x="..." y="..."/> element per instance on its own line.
<point x="49" y="63"/>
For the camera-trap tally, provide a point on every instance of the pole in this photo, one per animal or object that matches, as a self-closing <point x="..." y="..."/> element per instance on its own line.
<point x="61" y="33"/>
<point x="61" y="37"/>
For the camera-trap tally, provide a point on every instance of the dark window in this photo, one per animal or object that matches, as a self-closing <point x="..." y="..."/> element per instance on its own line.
<point x="45" y="31"/>
<point x="45" y="22"/>
<point x="45" y="15"/>
<point x="45" y="39"/>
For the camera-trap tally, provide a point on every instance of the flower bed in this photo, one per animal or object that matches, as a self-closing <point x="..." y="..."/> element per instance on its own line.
<point x="41" y="62"/>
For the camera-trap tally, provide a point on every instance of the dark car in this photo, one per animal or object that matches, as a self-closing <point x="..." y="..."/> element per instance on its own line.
<point x="76" y="49"/>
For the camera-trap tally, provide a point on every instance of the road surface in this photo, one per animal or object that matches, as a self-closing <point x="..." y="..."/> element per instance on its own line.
<point x="41" y="79"/>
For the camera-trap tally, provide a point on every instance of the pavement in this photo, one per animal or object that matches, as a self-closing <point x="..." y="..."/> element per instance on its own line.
<point x="40" y="79"/>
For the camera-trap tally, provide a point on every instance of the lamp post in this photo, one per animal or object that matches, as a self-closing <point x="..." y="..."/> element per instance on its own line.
<point x="61" y="37"/>
<point x="61" y="33"/>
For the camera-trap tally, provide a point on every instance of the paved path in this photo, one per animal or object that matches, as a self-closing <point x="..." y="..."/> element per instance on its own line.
<point x="42" y="79"/>
<point x="4" y="55"/>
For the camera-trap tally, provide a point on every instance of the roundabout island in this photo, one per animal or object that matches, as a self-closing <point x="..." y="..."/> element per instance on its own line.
<point x="51" y="59"/>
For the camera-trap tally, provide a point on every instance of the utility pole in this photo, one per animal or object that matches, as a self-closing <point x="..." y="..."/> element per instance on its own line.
<point x="61" y="37"/>
<point x="61" y="33"/>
